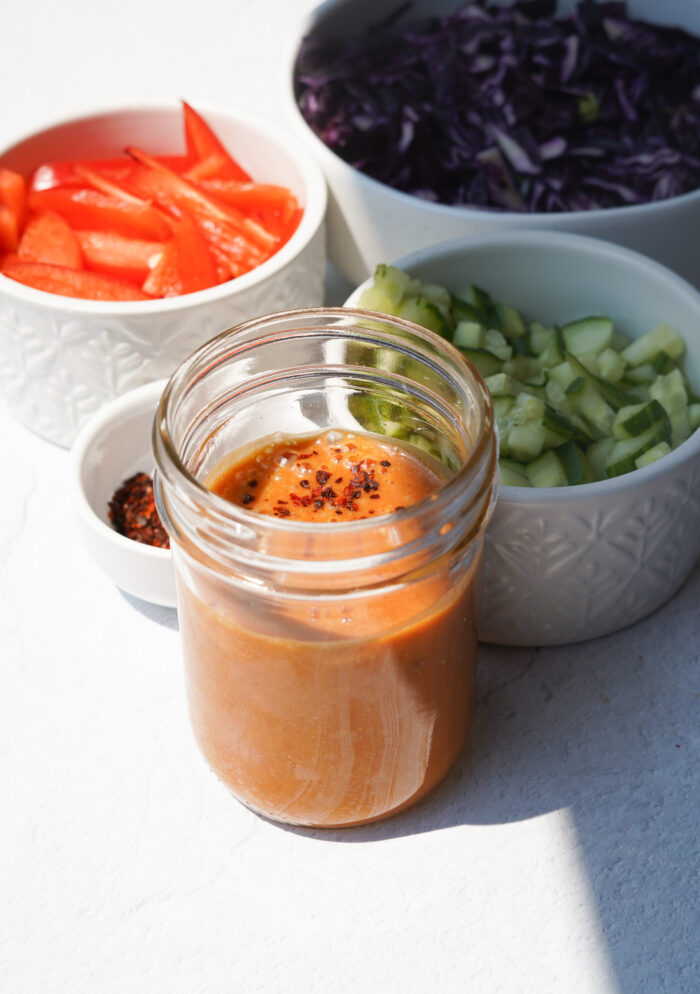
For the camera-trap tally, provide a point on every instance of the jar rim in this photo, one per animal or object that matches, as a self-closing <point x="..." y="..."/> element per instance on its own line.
<point x="166" y="450"/>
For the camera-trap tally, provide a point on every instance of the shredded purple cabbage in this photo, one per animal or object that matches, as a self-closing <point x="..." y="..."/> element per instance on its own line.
<point x="510" y="107"/>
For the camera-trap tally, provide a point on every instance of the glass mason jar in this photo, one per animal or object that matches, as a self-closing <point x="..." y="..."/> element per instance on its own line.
<point x="330" y="667"/>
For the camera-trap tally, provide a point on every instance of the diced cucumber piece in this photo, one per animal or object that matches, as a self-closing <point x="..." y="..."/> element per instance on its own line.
<point x="540" y="337"/>
<point x="663" y="338"/>
<point x="560" y="428"/>
<point x="438" y="294"/>
<point x="480" y="299"/>
<point x="468" y="335"/>
<point x="624" y="454"/>
<point x="610" y="393"/>
<point x="512" y="474"/>
<point x="526" y="370"/>
<point x="576" y="465"/>
<point x="694" y="416"/>
<point x="546" y="471"/>
<point x="524" y="442"/>
<point x="611" y="365"/>
<point x="556" y="395"/>
<point x="563" y="374"/>
<point x="486" y="362"/>
<point x="662" y="362"/>
<point x="380" y="416"/>
<point x="464" y="311"/>
<point x="510" y="321"/>
<point x="596" y="413"/>
<point x="425" y="312"/>
<point x="640" y="374"/>
<point x="598" y="454"/>
<point x="527" y="409"/>
<point x="500" y="385"/>
<point x="497" y="343"/>
<point x="651" y="455"/>
<point x="555" y="350"/>
<point x="424" y="443"/>
<point x="587" y="335"/>
<point x="619" y="341"/>
<point x="576" y="386"/>
<point x="636" y="419"/>
<point x="501" y="409"/>
<point x="387" y="291"/>
<point x="670" y="392"/>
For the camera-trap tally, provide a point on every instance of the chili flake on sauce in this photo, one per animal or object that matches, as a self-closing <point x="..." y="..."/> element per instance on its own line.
<point x="334" y="477"/>
<point x="132" y="511"/>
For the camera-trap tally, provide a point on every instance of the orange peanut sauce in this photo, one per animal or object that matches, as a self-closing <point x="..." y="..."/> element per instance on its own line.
<point x="330" y="711"/>
<point x="330" y="477"/>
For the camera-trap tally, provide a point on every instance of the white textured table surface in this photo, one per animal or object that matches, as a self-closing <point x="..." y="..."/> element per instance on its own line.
<point x="560" y="856"/>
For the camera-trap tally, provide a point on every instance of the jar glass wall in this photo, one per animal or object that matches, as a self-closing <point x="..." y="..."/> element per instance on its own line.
<point x="330" y="667"/>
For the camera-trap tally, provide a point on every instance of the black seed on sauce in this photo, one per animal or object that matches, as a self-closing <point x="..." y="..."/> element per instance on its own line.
<point x="374" y="496"/>
<point x="304" y="483"/>
<point x="318" y="503"/>
<point x="248" y="498"/>
<point x="252" y="483"/>
<point x="385" y="462"/>
<point x="322" y="477"/>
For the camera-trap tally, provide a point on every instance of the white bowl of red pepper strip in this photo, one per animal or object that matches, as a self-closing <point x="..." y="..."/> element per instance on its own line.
<point x="112" y="470"/>
<point x="392" y="111"/>
<point x="61" y="357"/>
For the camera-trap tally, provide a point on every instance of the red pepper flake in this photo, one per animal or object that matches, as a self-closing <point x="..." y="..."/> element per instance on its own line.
<point x="132" y="511"/>
<point x="322" y="477"/>
<point x="280" y="501"/>
<point x="374" y="496"/>
<point x="318" y="504"/>
<point x="399" y="507"/>
<point x="282" y="512"/>
<point x="339" y="480"/>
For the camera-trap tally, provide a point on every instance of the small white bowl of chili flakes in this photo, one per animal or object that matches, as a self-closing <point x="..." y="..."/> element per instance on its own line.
<point x="113" y="494"/>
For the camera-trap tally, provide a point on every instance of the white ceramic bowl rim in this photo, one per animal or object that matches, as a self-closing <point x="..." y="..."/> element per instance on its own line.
<point x="113" y="412"/>
<point x="306" y="24"/>
<point x="313" y="214"/>
<point x="690" y="449"/>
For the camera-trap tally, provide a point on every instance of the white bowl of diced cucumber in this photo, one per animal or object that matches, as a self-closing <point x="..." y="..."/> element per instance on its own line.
<point x="592" y="355"/>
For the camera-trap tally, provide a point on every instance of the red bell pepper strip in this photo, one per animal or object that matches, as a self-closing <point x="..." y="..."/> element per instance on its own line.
<point x="164" y="186"/>
<point x="47" y="237"/>
<point x="114" y="255"/>
<point x="52" y="174"/>
<point x="9" y="230"/>
<point x="186" y="264"/>
<point x="202" y="143"/>
<point x="249" y="196"/>
<point x="13" y="193"/>
<point x="73" y="282"/>
<point x="94" y="211"/>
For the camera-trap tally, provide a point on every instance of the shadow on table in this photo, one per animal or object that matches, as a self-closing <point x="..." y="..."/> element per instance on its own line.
<point x="604" y="729"/>
<point x="165" y="616"/>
